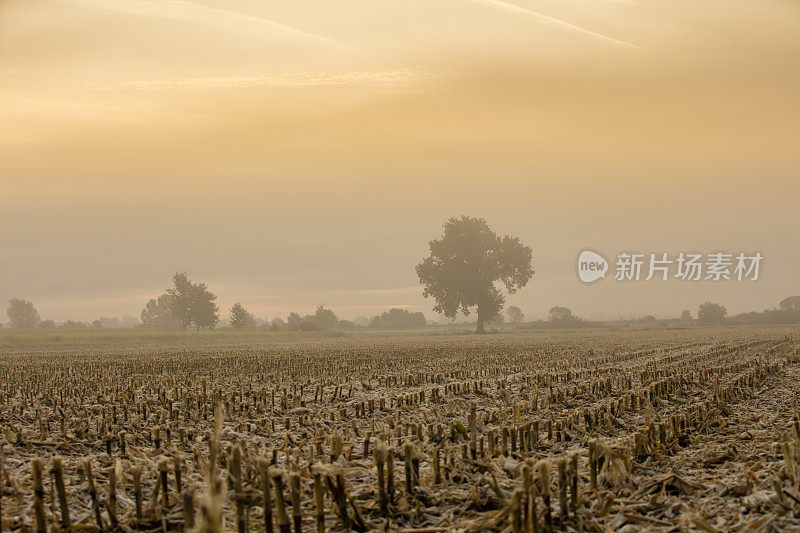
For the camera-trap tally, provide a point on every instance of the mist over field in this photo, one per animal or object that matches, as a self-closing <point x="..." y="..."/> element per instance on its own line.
<point x="290" y="160"/>
<point x="512" y="266"/>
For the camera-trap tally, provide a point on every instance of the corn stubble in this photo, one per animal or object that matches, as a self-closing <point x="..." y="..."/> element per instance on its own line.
<point x="611" y="431"/>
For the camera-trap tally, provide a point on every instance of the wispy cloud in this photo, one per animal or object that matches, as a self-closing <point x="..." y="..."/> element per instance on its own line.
<point x="515" y="9"/>
<point x="91" y="110"/>
<point x="193" y="12"/>
<point x="360" y="78"/>
<point x="12" y="140"/>
<point x="374" y="292"/>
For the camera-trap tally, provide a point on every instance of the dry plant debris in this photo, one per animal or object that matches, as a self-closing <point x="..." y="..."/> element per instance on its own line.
<point x="691" y="430"/>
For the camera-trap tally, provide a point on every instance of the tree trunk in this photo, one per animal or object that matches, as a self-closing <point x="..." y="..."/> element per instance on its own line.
<point x="481" y="320"/>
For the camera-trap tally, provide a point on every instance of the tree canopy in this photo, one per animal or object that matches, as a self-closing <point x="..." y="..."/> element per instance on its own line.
<point x="241" y="318"/>
<point x="157" y="314"/>
<point x="398" y="319"/>
<point x="22" y="314"/>
<point x="325" y="318"/>
<point x="515" y="314"/>
<point x="711" y="313"/>
<point x="193" y="303"/>
<point x="464" y="265"/>
<point x="185" y="304"/>
<point x="559" y="313"/>
<point x="322" y="319"/>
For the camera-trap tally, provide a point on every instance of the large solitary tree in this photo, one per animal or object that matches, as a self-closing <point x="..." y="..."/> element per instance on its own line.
<point x="465" y="264"/>
<point x="22" y="314"/>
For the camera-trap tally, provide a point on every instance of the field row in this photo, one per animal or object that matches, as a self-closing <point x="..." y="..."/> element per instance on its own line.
<point x="597" y="431"/>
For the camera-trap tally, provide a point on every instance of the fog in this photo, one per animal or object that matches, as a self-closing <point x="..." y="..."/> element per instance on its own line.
<point x="305" y="154"/>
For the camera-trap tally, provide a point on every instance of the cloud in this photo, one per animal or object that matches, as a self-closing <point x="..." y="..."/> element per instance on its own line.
<point x="51" y="107"/>
<point x="359" y="78"/>
<point x="239" y="23"/>
<point x="555" y="22"/>
<point x="6" y="139"/>
<point x="374" y="292"/>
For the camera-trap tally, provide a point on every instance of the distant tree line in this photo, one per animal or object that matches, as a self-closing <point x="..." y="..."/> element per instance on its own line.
<point x="241" y="318"/>
<point x="711" y="313"/>
<point x="188" y="304"/>
<point x="325" y="319"/>
<point x="562" y="317"/>
<point x="515" y="314"/>
<point x="466" y="267"/>
<point x="22" y="314"/>
<point x="398" y="319"/>
<point x="787" y="312"/>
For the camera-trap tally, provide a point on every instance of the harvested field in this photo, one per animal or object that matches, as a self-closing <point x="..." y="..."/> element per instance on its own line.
<point x="690" y="430"/>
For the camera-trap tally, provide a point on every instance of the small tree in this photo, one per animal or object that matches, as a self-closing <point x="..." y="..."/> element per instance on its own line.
<point x="711" y="313"/>
<point x="324" y="318"/>
<point x="181" y="299"/>
<point x="277" y="324"/>
<point x="397" y="318"/>
<point x="686" y="315"/>
<point x="46" y="324"/>
<point x="204" y="311"/>
<point x="515" y="314"/>
<point x="294" y="321"/>
<point x="560" y="314"/>
<point x="22" y="314"/>
<point x="240" y="318"/>
<point x="464" y="265"/>
<point x="345" y="324"/>
<point x="193" y="303"/>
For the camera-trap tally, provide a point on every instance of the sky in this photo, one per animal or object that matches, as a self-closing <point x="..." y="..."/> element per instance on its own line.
<point x="291" y="154"/>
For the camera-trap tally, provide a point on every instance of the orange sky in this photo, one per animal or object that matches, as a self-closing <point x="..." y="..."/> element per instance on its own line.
<point x="291" y="154"/>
